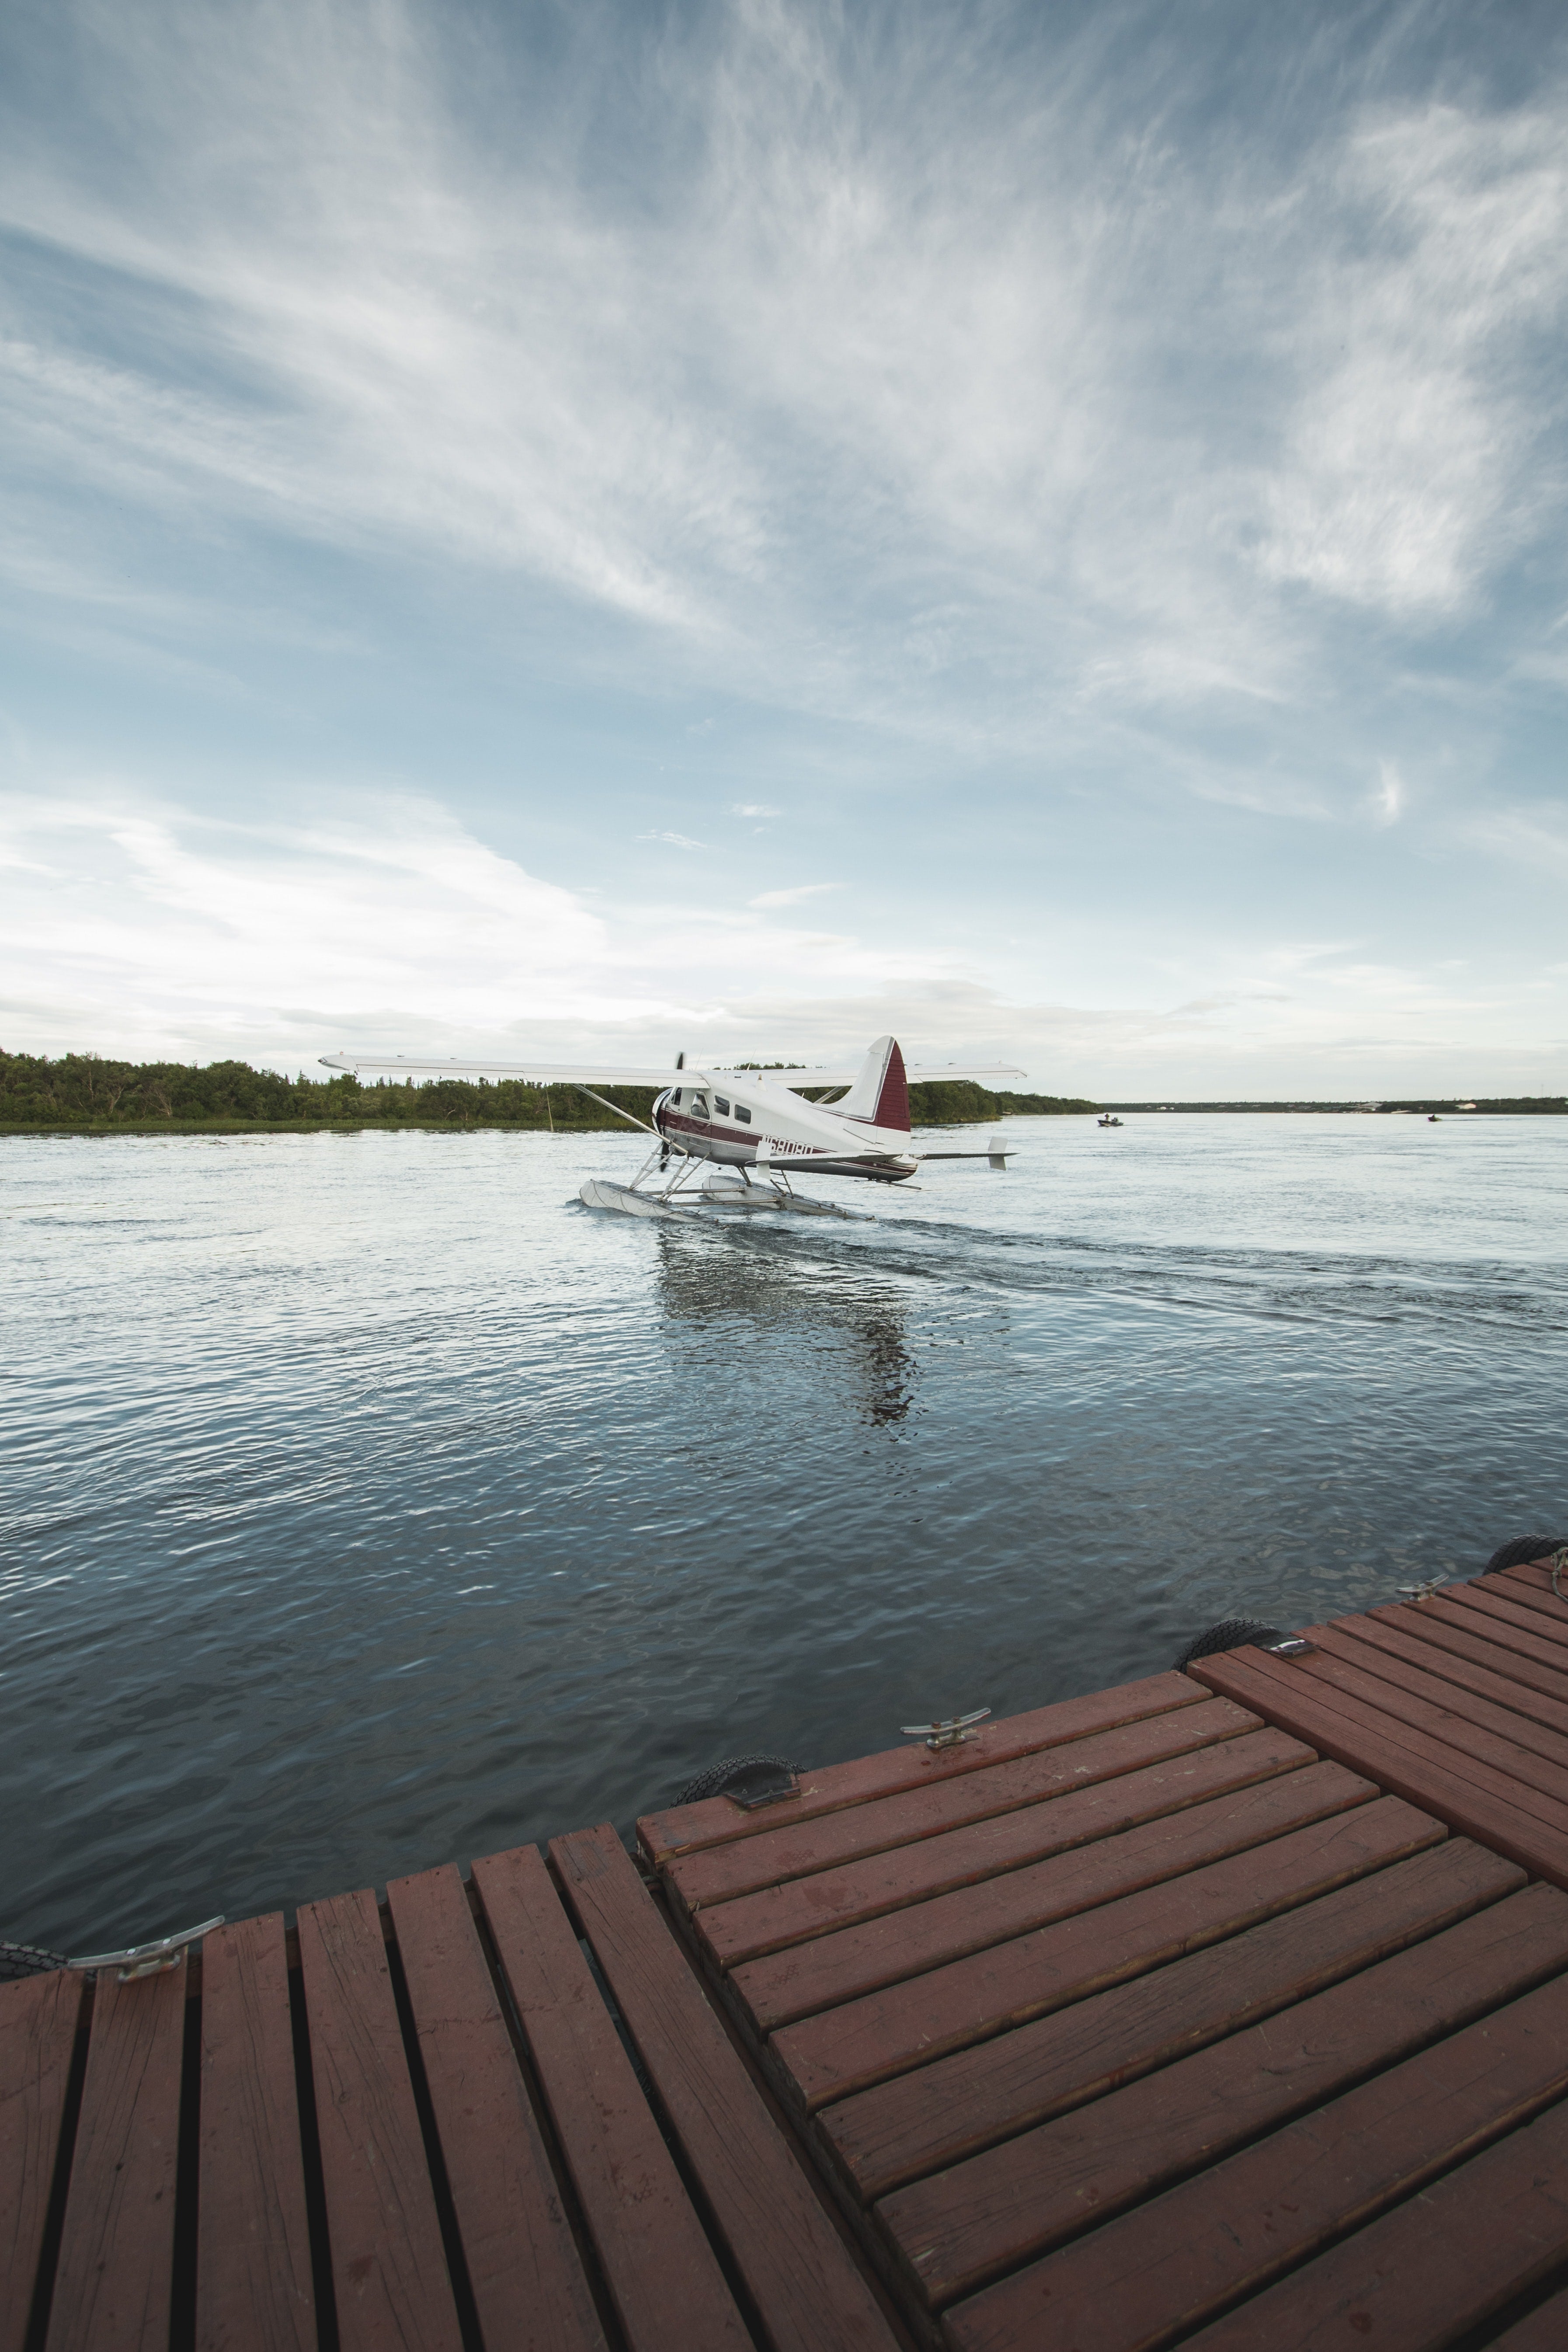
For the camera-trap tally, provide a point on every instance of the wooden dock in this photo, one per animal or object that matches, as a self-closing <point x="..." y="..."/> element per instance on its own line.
<point x="1228" y="2007"/>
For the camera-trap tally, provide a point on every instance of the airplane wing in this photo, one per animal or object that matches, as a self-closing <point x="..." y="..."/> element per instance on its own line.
<point x="917" y="1073"/>
<point x="627" y="1074"/>
<point x="532" y="1074"/>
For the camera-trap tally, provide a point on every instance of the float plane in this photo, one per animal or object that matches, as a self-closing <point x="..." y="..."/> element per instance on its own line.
<point x="753" y="1128"/>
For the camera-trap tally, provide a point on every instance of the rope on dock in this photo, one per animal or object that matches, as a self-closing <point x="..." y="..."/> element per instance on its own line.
<point x="1524" y="1551"/>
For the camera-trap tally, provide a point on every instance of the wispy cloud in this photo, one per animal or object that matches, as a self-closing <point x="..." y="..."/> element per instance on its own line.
<point x="753" y="808"/>
<point x="677" y="840"/>
<point x="1534" y="839"/>
<point x="1401" y="482"/>
<point x="1389" y="797"/>
<point x="794" y="898"/>
<point x="157" y="924"/>
<point x="1005" y="337"/>
<point x="133" y="924"/>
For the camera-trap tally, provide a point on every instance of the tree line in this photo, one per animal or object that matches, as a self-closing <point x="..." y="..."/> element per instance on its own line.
<point x="1442" y="1104"/>
<point x="90" y="1092"/>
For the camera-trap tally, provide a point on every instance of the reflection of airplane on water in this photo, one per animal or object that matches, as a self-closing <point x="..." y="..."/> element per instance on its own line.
<point x="756" y="1125"/>
<point x="847" y="1339"/>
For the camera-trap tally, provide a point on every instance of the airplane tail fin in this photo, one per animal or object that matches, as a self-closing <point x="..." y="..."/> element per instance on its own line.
<point x="880" y="1094"/>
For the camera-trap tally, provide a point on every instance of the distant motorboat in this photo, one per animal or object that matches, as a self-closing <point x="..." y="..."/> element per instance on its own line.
<point x="1108" y="1122"/>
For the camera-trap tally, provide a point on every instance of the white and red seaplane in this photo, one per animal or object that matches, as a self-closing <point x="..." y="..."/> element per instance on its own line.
<point x="753" y="1128"/>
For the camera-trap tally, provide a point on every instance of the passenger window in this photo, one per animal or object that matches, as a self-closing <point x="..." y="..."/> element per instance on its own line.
<point x="742" y="1112"/>
<point x="720" y="1106"/>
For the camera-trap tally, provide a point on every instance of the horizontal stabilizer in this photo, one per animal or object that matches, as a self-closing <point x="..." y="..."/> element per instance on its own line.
<point x="998" y="1152"/>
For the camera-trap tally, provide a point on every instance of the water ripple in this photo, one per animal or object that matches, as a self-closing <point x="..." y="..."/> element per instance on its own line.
<point x="369" y="1503"/>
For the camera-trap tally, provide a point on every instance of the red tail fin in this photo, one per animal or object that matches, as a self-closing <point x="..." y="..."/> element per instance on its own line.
<point x="893" y="1102"/>
<point x="880" y="1094"/>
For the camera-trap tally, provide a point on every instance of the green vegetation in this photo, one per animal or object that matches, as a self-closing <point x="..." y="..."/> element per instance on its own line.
<point x="945" y="1102"/>
<point x="81" y="1091"/>
<point x="83" y="1094"/>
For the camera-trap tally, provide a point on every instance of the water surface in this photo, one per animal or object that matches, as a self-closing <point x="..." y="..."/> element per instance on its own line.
<point x="368" y="1502"/>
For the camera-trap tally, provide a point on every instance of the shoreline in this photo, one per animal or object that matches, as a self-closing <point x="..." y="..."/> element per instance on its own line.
<point x="405" y="1126"/>
<point x="567" y="1126"/>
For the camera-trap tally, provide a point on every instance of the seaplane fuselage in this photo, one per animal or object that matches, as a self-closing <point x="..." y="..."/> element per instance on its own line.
<point x="738" y="1118"/>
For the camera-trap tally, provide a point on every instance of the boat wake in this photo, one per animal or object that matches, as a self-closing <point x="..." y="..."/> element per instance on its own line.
<point x="1307" y="1286"/>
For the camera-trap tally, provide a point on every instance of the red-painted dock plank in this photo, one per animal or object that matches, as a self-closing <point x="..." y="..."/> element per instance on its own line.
<point x="665" y="2282"/>
<point x="793" y="2258"/>
<point x="826" y="1971"/>
<point x="1232" y="2230"/>
<point x="684" y="1828"/>
<point x="527" y="2284"/>
<point x="1053" y="2183"/>
<point x="1394" y="1695"/>
<point x="38" y="2023"/>
<point x="957" y="2106"/>
<point x="1472" y="1796"/>
<point x="805" y="1907"/>
<point x="1544" y="2330"/>
<point x="863" y="2042"/>
<point x="796" y="1847"/>
<point x="1544" y="1655"/>
<point x="1492" y="1598"/>
<point x="1441" y="2263"/>
<point x="1468" y="1690"/>
<point x="389" y="2266"/>
<point x="114" y="2279"/>
<point x="1536" y="1687"/>
<point x="1530" y="1581"/>
<point x="254" y="2288"/>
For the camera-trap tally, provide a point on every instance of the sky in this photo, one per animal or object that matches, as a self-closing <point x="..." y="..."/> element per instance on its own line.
<point x="604" y="530"/>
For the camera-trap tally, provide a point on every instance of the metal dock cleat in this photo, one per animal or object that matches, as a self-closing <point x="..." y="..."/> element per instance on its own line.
<point x="149" y="1959"/>
<point x="953" y="1733"/>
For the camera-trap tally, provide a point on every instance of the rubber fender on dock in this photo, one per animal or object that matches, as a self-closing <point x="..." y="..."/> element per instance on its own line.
<point x="26" y="1960"/>
<point x="1230" y="1634"/>
<point x="1522" y="1550"/>
<point x="739" y="1777"/>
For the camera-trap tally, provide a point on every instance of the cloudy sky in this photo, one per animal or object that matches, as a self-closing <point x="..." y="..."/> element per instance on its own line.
<point x="550" y="529"/>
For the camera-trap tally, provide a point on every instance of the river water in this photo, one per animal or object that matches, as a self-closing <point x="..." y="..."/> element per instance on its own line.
<point x="368" y="1502"/>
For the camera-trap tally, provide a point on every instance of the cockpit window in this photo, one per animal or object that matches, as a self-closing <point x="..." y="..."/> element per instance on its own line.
<point x="675" y="1099"/>
<point x="720" y="1106"/>
<point x="699" y="1106"/>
